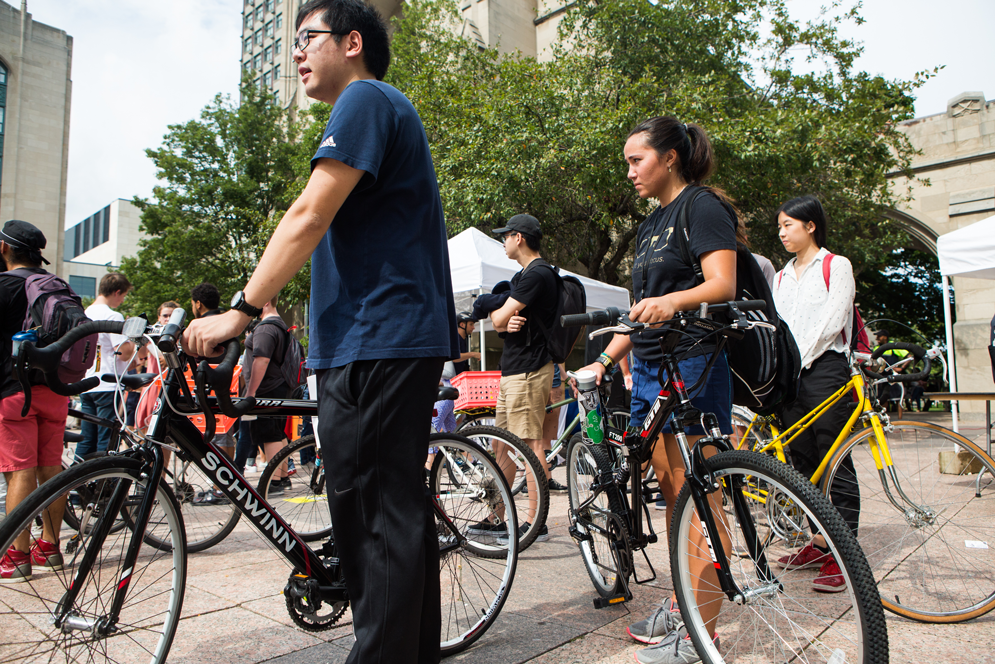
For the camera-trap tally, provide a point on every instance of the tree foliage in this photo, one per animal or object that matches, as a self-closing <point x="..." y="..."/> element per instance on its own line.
<point x="226" y="178"/>
<point x="513" y="134"/>
<point x="907" y="290"/>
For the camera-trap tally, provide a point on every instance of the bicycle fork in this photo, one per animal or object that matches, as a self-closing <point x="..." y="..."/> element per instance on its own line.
<point x="63" y="616"/>
<point x="918" y="516"/>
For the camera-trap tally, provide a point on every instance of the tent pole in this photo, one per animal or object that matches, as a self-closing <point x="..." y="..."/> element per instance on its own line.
<point x="950" y="349"/>
<point x="483" y="347"/>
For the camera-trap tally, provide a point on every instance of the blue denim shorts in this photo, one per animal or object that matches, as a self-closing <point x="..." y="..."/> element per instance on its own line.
<point x="715" y="396"/>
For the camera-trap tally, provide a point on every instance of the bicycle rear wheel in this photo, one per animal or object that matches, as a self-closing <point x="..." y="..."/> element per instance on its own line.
<point x="779" y="618"/>
<point x="477" y="566"/>
<point x="147" y="621"/>
<point x="516" y="457"/>
<point x="596" y="516"/>
<point x="305" y="504"/>
<point x="929" y="550"/>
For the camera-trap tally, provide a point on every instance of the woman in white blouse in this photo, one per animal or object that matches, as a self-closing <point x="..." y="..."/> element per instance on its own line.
<point x="814" y="295"/>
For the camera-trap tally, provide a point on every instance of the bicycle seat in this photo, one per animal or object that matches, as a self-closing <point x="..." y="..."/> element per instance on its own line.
<point x="448" y="394"/>
<point x="130" y="381"/>
<point x="72" y="437"/>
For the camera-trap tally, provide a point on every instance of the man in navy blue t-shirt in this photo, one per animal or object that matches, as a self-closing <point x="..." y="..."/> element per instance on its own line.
<point x="383" y="323"/>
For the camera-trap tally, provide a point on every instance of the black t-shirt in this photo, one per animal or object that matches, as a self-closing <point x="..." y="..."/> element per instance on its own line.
<point x="659" y="269"/>
<point x="464" y="347"/>
<point x="268" y="340"/>
<point x="14" y="305"/>
<point x="535" y="287"/>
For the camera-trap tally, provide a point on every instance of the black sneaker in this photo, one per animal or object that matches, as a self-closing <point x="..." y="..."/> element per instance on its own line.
<point x="486" y="527"/>
<point x="205" y="498"/>
<point x="555" y="486"/>
<point x="276" y="487"/>
<point x="524" y="528"/>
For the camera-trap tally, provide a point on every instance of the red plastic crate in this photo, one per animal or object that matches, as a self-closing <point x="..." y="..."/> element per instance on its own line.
<point x="477" y="389"/>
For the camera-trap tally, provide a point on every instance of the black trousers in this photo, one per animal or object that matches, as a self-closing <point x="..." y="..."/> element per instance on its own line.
<point x="826" y="375"/>
<point x="374" y="419"/>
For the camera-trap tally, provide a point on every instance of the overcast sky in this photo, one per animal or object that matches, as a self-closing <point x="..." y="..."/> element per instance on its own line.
<point x="140" y="65"/>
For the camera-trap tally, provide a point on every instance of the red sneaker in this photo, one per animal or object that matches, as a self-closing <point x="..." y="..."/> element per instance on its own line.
<point x="46" y="555"/>
<point x="807" y="557"/>
<point x="15" y="567"/>
<point x="830" y="579"/>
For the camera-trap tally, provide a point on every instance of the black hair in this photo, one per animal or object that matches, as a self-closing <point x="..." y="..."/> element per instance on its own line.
<point x="207" y="294"/>
<point x="695" y="157"/>
<point x="344" y="16"/>
<point x="532" y="242"/>
<point x="807" y="208"/>
<point x="23" y="256"/>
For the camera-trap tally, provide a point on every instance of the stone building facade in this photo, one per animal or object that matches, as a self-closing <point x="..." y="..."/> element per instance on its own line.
<point x="955" y="187"/>
<point x="95" y="246"/>
<point x="35" y="91"/>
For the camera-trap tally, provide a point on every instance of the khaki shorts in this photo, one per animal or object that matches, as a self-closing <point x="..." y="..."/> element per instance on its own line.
<point x="521" y="404"/>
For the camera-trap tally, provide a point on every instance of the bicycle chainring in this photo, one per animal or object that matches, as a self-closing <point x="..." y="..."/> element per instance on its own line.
<point x="306" y="608"/>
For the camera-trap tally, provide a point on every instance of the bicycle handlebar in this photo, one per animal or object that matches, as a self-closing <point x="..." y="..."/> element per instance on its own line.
<point x="219" y="378"/>
<point x="613" y="315"/>
<point x="918" y="353"/>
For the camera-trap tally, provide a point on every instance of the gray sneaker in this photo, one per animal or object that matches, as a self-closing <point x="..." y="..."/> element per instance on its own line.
<point x="665" y="620"/>
<point x="676" y="648"/>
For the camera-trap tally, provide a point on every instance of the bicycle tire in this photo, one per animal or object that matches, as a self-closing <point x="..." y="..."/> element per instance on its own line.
<point x="486" y="561"/>
<point x="151" y="611"/>
<point x="782" y="619"/>
<point x="603" y="535"/>
<point x="921" y="558"/>
<point x="528" y="474"/>
<point x="305" y="505"/>
<point x="206" y="525"/>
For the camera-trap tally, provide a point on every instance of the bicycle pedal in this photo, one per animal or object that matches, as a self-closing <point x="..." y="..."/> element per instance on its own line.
<point x="602" y="602"/>
<point x="577" y="535"/>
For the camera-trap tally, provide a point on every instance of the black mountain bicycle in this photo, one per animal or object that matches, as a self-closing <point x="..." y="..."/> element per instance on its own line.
<point x="725" y="572"/>
<point x="117" y="594"/>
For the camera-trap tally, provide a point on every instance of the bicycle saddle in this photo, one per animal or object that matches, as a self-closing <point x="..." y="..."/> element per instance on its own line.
<point x="130" y="381"/>
<point x="448" y="394"/>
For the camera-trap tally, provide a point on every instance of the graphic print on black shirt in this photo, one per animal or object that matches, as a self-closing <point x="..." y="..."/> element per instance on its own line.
<point x="659" y="269"/>
<point x="537" y="289"/>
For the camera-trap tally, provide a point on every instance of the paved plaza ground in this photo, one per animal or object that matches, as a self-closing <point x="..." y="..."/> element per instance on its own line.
<point x="234" y="611"/>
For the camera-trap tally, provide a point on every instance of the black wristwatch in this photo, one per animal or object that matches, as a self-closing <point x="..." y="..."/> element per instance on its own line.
<point x="238" y="303"/>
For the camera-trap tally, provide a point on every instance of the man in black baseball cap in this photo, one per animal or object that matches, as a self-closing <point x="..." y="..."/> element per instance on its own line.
<point x="525" y="224"/>
<point x="24" y="238"/>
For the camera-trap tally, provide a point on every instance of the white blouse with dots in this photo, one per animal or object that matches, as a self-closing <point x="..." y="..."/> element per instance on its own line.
<point x="817" y="316"/>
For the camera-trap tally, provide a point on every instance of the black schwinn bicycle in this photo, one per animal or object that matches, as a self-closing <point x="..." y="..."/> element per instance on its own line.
<point x="116" y="594"/>
<point x="725" y="572"/>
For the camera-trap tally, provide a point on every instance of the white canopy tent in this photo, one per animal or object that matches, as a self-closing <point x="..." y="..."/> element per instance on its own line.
<point x="477" y="262"/>
<point x="965" y="252"/>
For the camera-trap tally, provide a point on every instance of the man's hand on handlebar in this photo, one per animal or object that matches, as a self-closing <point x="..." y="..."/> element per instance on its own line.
<point x="204" y="336"/>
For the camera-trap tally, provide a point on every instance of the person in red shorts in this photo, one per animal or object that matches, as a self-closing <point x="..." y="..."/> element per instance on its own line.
<point x="30" y="447"/>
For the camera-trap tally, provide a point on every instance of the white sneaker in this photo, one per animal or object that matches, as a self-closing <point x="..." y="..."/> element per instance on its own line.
<point x="250" y="468"/>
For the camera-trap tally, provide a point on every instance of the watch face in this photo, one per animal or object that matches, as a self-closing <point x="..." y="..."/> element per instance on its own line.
<point x="235" y="300"/>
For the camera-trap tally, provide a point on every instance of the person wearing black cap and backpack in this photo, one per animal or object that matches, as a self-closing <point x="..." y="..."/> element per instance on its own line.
<point x="526" y="363"/>
<point x="31" y="445"/>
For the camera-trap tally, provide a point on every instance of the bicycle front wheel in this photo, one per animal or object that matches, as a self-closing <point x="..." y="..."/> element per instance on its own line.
<point x="777" y="616"/>
<point x="595" y="515"/>
<point x="475" y="519"/>
<point x="521" y="466"/>
<point x="926" y="523"/>
<point x="35" y="623"/>
<point x="304" y="504"/>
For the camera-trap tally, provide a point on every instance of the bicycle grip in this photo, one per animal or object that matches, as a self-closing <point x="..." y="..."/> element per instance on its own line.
<point x="607" y="316"/>
<point x="70" y="389"/>
<point x="918" y="352"/>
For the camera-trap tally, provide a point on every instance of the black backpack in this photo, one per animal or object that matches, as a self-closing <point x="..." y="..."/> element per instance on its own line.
<point x="765" y="364"/>
<point x="571" y="299"/>
<point x="292" y="362"/>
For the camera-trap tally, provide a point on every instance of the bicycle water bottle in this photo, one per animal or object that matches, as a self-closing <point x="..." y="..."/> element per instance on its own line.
<point x="26" y="335"/>
<point x="590" y="403"/>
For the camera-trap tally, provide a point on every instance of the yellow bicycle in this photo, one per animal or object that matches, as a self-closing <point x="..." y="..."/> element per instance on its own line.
<point x="927" y="498"/>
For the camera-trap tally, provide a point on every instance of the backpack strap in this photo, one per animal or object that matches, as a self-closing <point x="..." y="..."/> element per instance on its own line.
<point x="827" y="263"/>
<point x="683" y="233"/>
<point x="281" y="352"/>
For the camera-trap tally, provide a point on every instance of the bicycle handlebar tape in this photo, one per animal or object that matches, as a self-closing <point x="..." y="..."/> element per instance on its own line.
<point x="200" y="384"/>
<point x="220" y="379"/>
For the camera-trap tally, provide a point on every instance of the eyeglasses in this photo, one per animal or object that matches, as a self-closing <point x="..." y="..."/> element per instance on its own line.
<point x="504" y="238"/>
<point x="304" y="37"/>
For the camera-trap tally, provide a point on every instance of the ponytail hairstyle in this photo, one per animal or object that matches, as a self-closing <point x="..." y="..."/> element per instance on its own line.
<point x="695" y="158"/>
<point x="807" y="209"/>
